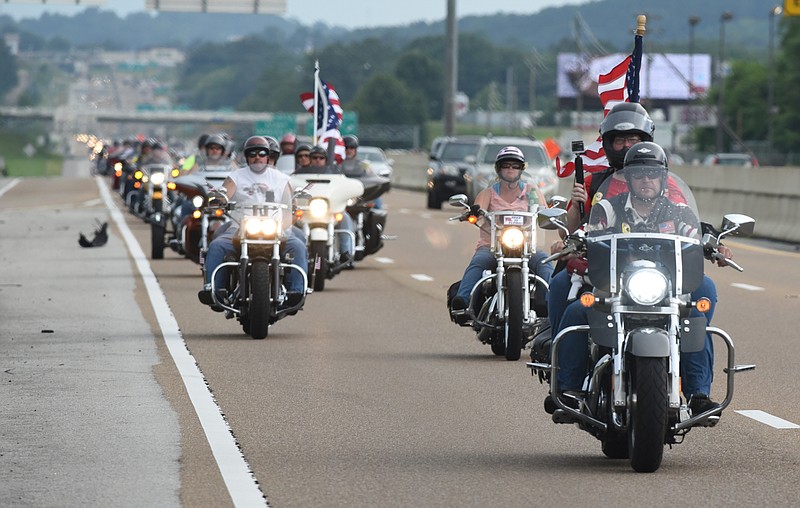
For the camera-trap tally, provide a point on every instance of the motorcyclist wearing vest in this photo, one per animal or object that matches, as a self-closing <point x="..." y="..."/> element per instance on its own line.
<point x="642" y="208"/>
<point x="246" y="186"/>
<point x="509" y="192"/>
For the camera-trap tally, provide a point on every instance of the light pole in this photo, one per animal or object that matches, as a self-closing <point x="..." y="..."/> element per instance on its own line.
<point x="451" y="69"/>
<point x="693" y="21"/>
<point x="775" y="11"/>
<point x="724" y="18"/>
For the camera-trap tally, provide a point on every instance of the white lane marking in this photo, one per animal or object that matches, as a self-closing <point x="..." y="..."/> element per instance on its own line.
<point x="421" y="277"/>
<point x="9" y="186"/>
<point x="746" y="286"/>
<point x="385" y="261"/>
<point x="236" y="473"/>
<point x="772" y="421"/>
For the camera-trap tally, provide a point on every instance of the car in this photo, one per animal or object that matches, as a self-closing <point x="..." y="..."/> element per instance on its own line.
<point x="446" y="167"/>
<point x="380" y="164"/>
<point x="541" y="169"/>
<point x="730" y="159"/>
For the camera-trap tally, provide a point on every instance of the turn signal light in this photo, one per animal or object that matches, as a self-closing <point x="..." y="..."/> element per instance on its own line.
<point x="703" y="304"/>
<point x="338" y="217"/>
<point x="219" y="212"/>
<point x="298" y="213"/>
<point x="172" y="186"/>
<point x="587" y="299"/>
<point x="137" y="185"/>
<point x="472" y="219"/>
<point x="157" y="195"/>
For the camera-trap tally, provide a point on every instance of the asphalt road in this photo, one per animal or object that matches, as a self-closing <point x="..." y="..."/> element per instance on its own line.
<point x="367" y="397"/>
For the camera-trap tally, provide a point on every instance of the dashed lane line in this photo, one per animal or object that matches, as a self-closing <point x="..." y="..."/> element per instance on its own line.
<point x="748" y="287"/>
<point x="421" y="277"/>
<point x="768" y="419"/>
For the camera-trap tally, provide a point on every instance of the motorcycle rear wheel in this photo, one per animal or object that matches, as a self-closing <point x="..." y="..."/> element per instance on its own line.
<point x="647" y="413"/>
<point x="259" y="309"/>
<point x="514" y="319"/>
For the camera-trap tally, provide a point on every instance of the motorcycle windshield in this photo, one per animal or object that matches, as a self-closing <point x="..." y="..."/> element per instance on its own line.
<point x="644" y="217"/>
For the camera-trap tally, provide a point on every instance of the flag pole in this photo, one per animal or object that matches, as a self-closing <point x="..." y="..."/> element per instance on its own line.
<point x="636" y="60"/>
<point x="316" y="100"/>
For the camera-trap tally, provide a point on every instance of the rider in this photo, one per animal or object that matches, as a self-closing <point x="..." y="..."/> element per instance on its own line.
<point x="246" y="186"/>
<point x="644" y="208"/>
<point x="508" y="193"/>
<point x="286" y="163"/>
<point x="302" y="157"/>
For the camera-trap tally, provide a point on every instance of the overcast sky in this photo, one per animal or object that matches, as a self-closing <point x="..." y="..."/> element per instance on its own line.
<point x="349" y="14"/>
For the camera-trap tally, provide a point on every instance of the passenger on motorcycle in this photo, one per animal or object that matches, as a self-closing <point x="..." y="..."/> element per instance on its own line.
<point x="302" y="157"/>
<point x="508" y="193"/>
<point x="319" y="165"/>
<point x="251" y="184"/>
<point x="286" y="163"/>
<point x="649" y="206"/>
<point x="354" y="166"/>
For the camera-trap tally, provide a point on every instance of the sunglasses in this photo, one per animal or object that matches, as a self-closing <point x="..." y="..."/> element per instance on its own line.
<point x="256" y="153"/>
<point x="512" y="165"/>
<point x="650" y="174"/>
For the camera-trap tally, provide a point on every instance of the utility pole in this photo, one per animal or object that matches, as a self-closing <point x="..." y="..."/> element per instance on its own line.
<point x="451" y="69"/>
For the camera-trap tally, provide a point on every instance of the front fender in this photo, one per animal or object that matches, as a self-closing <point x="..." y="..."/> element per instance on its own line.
<point x="318" y="234"/>
<point x="648" y="342"/>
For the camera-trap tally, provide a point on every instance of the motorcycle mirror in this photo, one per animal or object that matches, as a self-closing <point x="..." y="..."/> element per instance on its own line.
<point x="459" y="200"/>
<point x="557" y="202"/>
<point x="551" y="218"/>
<point x="738" y="224"/>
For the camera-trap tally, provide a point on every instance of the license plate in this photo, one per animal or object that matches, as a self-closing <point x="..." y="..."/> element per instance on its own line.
<point x="513" y="220"/>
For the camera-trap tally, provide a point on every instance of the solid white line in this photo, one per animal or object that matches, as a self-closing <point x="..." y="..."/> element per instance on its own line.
<point x="385" y="261"/>
<point x="421" y="277"/>
<point x="236" y="473"/>
<point x="8" y="187"/>
<point x="746" y="286"/>
<point x="772" y="421"/>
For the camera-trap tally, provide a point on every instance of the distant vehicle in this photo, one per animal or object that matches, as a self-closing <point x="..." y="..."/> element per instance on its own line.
<point x="481" y="173"/>
<point x="447" y="166"/>
<point x="730" y="159"/>
<point x="378" y="161"/>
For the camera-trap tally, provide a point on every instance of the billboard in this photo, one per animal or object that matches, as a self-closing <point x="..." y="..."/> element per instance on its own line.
<point x="229" y="6"/>
<point x="662" y="77"/>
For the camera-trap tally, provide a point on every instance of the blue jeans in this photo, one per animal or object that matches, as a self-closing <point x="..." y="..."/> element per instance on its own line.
<point x="697" y="369"/>
<point x="222" y="245"/>
<point x="346" y="241"/>
<point x="484" y="259"/>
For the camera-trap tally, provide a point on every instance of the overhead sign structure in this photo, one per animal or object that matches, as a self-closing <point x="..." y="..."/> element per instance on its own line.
<point x="59" y="2"/>
<point x="220" y="6"/>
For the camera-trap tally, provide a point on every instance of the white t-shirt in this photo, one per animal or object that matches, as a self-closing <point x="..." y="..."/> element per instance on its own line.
<point x="253" y="188"/>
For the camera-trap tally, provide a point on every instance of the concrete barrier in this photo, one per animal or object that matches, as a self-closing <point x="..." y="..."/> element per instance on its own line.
<point x="770" y="195"/>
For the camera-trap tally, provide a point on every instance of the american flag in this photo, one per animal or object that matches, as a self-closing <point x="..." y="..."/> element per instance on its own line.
<point x="328" y="115"/>
<point x="620" y="84"/>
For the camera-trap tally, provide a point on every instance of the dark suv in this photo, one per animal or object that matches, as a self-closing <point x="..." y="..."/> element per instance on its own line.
<point x="447" y="166"/>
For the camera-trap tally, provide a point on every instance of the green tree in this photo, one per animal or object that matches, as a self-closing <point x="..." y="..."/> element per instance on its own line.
<point x="787" y="87"/>
<point x="385" y="99"/>
<point x="8" y="71"/>
<point x="420" y="72"/>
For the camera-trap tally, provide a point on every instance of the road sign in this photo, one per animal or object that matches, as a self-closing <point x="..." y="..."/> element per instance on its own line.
<point x="349" y="124"/>
<point x="280" y="124"/>
<point x="791" y="8"/>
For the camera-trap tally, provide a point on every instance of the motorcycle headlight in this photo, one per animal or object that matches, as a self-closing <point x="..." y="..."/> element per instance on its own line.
<point x="512" y="238"/>
<point x="647" y="286"/>
<point x="318" y="208"/>
<point x="261" y="226"/>
<point x="198" y="201"/>
<point x="157" y="178"/>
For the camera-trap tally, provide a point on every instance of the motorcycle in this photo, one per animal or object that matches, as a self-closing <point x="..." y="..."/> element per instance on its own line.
<point x="320" y="209"/>
<point x="638" y="324"/>
<point x="155" y="203"/>
<point x="369" y="221"/>
<point x="505" y="305"/>
<point x="195" y="230"/>
<point x="254" y="292"/>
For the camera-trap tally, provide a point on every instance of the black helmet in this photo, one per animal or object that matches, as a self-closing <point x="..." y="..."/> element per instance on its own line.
<point x="624" y="118"/>
<point x="317" y="150"/>
<point x="350" y="141"/>
<point x="646" y="156"/>
<point x="216" y="139"/>
<point x="303" y="147"/>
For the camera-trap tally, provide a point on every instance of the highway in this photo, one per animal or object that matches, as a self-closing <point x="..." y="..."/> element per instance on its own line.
<point x="369" y="396"/>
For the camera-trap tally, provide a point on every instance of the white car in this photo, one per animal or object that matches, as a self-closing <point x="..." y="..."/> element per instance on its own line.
<point x="378" y="162"/>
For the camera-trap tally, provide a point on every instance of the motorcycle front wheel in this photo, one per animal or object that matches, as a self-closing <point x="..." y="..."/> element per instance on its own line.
<point x="259" y="308"/>
<point x="319" y="250"/>
<point x="647" y="413"/>
<point x="514" y="317"/>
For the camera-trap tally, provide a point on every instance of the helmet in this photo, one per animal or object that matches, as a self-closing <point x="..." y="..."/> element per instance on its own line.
<point x="255" y="142"/>
<point x="317" y="150"/>
<point x="302" y="148"/>
<point x="624" y="118"/>
<point x="646" y="155"/>
<point x="350" y="141"/>
<point x="274" y="148"/>
<point x="201" y="141"/>
<point x="216" y="139"/>
<point x="288" y="139"/>
<point x="509" y="153"/>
